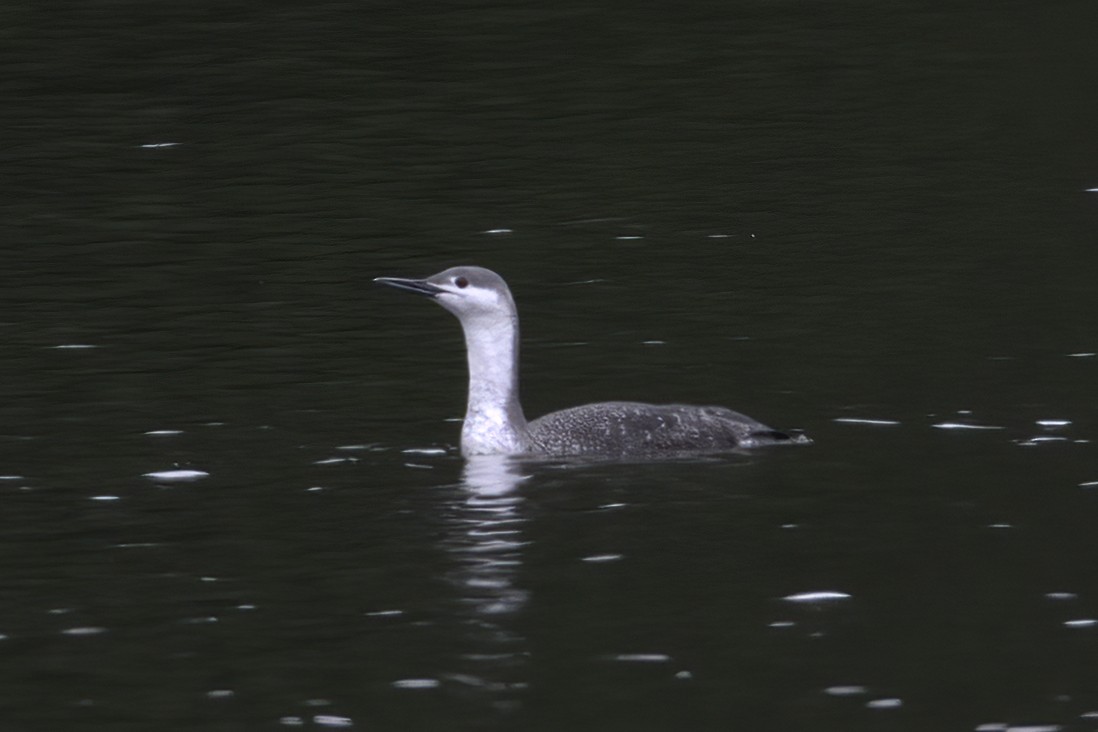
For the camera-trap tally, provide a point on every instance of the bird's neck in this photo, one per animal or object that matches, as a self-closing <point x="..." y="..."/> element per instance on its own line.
<point x="494" y="422"/>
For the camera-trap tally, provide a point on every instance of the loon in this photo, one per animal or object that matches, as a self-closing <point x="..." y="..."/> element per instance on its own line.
<point x="494" y="422"/>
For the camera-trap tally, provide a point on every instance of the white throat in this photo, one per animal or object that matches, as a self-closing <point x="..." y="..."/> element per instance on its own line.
<point x="494" y="422"/>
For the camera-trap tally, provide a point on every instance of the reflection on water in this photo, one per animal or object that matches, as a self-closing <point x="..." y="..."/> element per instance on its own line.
<point x="864" y="212"/>
<point x="485" y="543"/>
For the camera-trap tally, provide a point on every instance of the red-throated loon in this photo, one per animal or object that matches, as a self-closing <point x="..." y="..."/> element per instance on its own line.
<point x="494" y="422"/>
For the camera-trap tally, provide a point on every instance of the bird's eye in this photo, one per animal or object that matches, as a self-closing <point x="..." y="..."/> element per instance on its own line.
<point x="461" y="282"/>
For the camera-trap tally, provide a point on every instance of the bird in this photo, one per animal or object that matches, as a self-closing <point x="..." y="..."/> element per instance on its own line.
<point x="494" y="422"/>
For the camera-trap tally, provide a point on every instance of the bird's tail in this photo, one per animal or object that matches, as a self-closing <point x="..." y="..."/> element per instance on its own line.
<point x="777" y="437"/>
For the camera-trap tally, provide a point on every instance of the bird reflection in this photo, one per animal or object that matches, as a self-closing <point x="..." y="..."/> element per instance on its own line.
<point x="486" y="545"/>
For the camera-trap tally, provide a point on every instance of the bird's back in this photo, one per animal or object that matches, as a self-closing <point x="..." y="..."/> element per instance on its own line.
<point x="633" y="428"/>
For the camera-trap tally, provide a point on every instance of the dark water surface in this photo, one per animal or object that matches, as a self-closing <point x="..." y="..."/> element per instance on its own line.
<point x="817" y="213"/>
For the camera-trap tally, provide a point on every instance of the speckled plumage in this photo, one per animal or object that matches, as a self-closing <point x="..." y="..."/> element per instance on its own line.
<point x="634" y="428"/>
<point x="494" y="422"/>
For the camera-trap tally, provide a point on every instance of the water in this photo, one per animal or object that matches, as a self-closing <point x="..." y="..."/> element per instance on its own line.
<point x="868" y="222"/>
